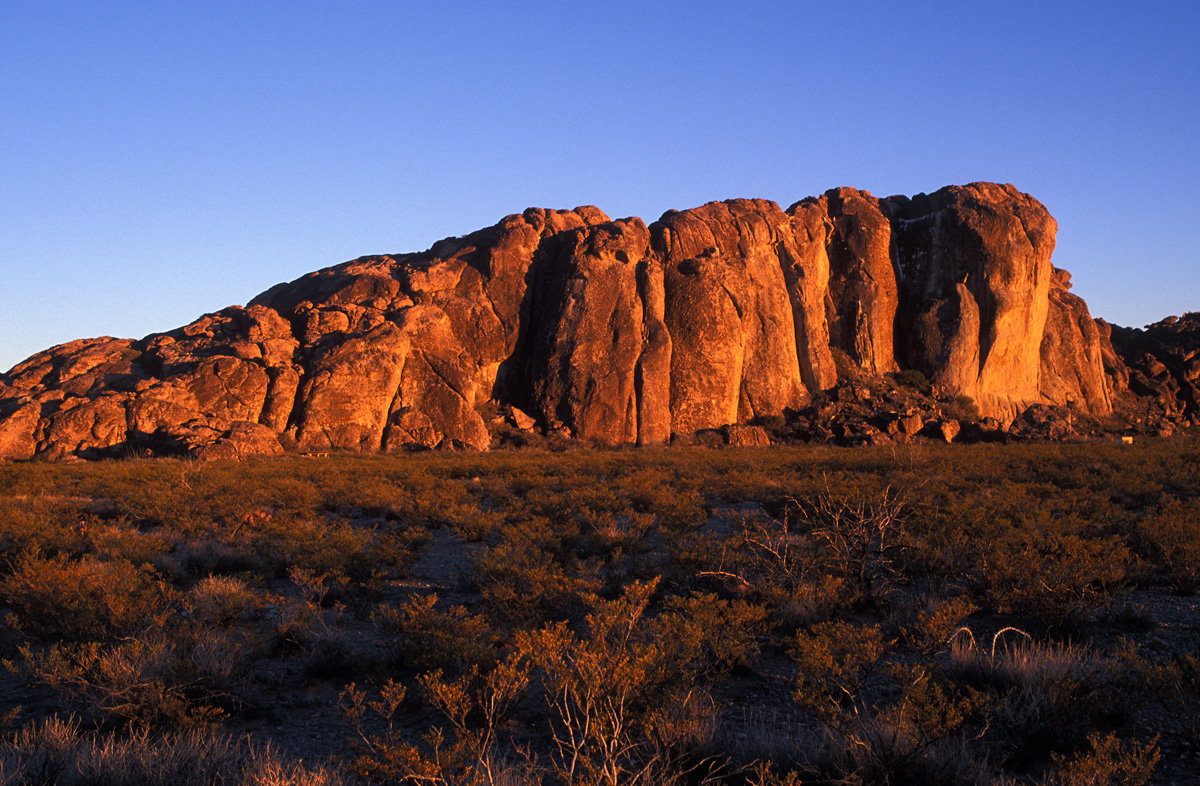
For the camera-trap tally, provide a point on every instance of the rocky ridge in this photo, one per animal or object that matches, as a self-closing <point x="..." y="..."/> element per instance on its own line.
<point x="716" y="319"/>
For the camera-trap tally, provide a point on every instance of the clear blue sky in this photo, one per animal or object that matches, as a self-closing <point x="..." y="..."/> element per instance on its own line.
<point x="159" y="160"/>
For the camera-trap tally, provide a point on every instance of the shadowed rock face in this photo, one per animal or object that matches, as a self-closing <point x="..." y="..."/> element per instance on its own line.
<point x="1160" y="364"/>
<point x="616" y="331"/>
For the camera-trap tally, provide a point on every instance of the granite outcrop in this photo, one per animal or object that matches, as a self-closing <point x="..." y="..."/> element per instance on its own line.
<point x="602" y="330"/>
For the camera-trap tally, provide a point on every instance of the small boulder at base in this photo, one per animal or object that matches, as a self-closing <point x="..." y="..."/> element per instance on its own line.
<point x="912" y="424"/>
<point x="521" y="420"/>
<point x="746" y="436"/>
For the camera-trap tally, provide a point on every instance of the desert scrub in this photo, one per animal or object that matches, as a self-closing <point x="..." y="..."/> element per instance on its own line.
<point x="183" y="496"/>
<point x="767" y="561"/>
<point x="1055" y="574"/>
<point x="120" y="540"/>
<point x="915" y="380"/>
<point x="421" y="637"/>
<point x="858" y="541"/>
<point x="162" y="679"/>
<point x="606" y="691"/>
<point x="464" y="751"/>
<point x="821" y="555"/>
<point x="559" y="537"/>
<point x="46" y="526"/>
<point x="225" y="602"/>
<point x="933" y="621"/>
<point x="1172" y="537"/>
<point x="837" y="662"/>
<point x="330" y="546"/>
<point x="885" y="721"/>
<point x="1108" y="759"/>
<point x="708" y="637"/>
<point x="82" y="599"/>
<point x="532" y="574"/>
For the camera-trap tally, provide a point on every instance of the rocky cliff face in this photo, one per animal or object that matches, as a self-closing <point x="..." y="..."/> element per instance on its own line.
<point x="609" y="331"/>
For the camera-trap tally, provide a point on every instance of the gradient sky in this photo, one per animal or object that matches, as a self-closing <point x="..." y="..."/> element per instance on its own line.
<point x="159" y="160"/>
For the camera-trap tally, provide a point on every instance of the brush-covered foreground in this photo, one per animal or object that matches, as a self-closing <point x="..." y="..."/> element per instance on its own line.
<point x="925" y="615"/>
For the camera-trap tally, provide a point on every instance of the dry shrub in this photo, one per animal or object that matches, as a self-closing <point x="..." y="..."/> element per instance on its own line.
<point x="608" y="691"/>
<point x="676" y="503"/>
<point x="860" y="541"/>
<point x="1109" y="760"/>
<point x="935" y="621"/>
<point x="881" y="754"/>
<point x="820" y="556"/>
<point x="524" y="582"/>
<point x="46" y="526"/>
<point x="1173" y="534"/>
<point x="1058" y="577"/>
<point x="187" y="678"/>
<point x="299" y="623"/>
<point x="470" y="523"/>
<point x="808" y="602"/>
<point x="768" y="560"/>
<point x="709" y="636"/>
<point x="223" y="601"/>
<point x="82" y="599"/>
<point x="122" y="541"/>
<point x="210" y="555"/>
<point x="422" y="637"/>
<point x="475" y="706"/>
<point x="836" y="662"/>
<point x="280" y="543"/>
<point x="884" y="722"/>
<point x="182" y="495"/>
<point x="617" y="529"/>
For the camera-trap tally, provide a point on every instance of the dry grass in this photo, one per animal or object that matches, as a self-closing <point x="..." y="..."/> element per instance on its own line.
<point x="57" y="752"/>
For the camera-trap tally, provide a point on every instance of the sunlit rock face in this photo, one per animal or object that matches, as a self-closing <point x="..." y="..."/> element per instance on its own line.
<point x="1072" y="352"/>
<point x="974" y="264"/>
<point x="611" y="331"/>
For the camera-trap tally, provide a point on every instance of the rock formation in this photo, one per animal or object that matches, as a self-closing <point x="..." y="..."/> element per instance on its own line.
<point x="1072" y="362"/>
<point x="609" y="331"/>
<point x="1160" y="367"/>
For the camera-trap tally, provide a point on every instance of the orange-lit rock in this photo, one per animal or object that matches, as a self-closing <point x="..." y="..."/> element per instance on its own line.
<point x="974" y="264"/>
<point x="1072" y="367"/>
<point x="611" y="331"/>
